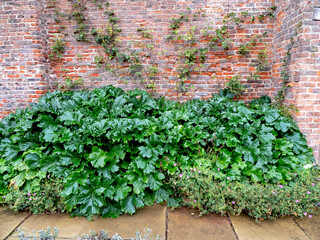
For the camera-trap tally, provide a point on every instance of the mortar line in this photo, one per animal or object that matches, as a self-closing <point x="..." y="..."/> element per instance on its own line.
<point x="18" y="226"/>
<point x="300" y="227"/>
<point x="233" y="229"/>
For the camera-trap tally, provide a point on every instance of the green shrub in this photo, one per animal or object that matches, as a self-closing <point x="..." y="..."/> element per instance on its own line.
<point x="113" y="150"/>
<point x="41" y="196"/>
<point x="208" y="191"/>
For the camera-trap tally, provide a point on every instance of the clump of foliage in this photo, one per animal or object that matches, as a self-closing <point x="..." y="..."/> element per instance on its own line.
<point x="48" y="234"/>
<point x="52" y="234"/>
<point x="57" y="48"/>
<point x="211" y="190"/>
<point x="145" y="235"/>
<point x="113" y="150"/>
<point x="233" y="88"/>
<point x="37" y="197"/>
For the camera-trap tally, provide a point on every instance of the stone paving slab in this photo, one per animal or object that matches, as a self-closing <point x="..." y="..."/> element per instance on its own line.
<point x="9" y="221"/>
<point x="186" y="224"/>
<point x="280" y="229"/>
<point x="125" y="225"/>
<point x="311" y="226"/>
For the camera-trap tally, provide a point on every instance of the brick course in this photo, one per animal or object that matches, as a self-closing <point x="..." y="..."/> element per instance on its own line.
<point x="28" y="30"/>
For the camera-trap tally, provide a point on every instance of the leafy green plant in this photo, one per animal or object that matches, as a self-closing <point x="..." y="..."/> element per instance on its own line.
<point x="246" y="48"/>
<point x="286" y="109"/>
<point x="35" y="197"/>
<point x="176" y="22"/>
<point x="77" y="14"/>
<point x="114" y="149"/>
<point x="110" y="164"/>
<point x="234" y="86"/>
<point x="209" y="189"/>
<point x="71" y="83"/>
<point x="57" y="48"/>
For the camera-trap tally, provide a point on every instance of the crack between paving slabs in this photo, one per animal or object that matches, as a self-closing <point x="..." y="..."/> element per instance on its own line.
<point x="233" y="229"/>
<point x="300" y="227"/>
<point x="23" y="222"/>
<point x="167" y="223"/>
<point x="18" y="226"/>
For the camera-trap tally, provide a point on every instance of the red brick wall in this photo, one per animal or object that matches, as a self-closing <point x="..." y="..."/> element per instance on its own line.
<point x="28" y="29"/>
<point x="155" y="15"/>
<point x="304" y="70"/>
<point x="22" y="49"/>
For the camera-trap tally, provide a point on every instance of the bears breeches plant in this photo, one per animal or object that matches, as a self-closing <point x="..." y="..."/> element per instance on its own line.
<point x="115" y="151"/>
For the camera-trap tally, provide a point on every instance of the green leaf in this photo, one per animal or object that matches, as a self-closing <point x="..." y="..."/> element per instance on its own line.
<point x="141" y="163"/>
<point x="264" y="100"/>
<point x="173" y="202"/>
<point x="154" y="184"/>
<point x="121" y="192"/>
<point x="73" y="182"/>
<point x="111" y="210"/>
<point x="299" y="143"/>
<point x="137" y="201"/>
<point x="127" y="205"/>
<point x="282" y="125"/>
<point x="50" y="133"/>
<point x="97" y="157"/>
<point x="67" y="117"/>
<point x="109" y="192"/>
<point x="48" y="164"/>
<point x="161" y="195"/>
<point x="284" y="145"/>
<point x="10" y="154"/>
<point x="149" y="199"/>
<point x="271" y="115"/>
<point x="265" y="134"/>
<point x="18" y="180"/>
<point x="145" y="152"/>
<point x="32" y="160"/>
<point x="255" y="175"/>
<point x="138" y="186"/>
<point x="90" y="204"/>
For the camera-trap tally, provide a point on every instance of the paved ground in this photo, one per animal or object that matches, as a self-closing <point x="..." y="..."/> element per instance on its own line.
<point x="180" y="224"/>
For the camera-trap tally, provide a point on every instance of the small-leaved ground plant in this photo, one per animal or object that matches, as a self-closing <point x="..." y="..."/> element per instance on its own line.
<point x="210" y="190"/>
<point x="52" y="234"/>
<point x="108" y="152"/>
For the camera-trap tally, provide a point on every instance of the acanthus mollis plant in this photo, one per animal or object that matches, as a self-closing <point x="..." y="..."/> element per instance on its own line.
<point x="114" y="150"/>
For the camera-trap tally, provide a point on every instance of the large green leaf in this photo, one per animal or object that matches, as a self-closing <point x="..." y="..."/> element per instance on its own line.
<point x="127" y="205"/>
<point x="271" y="115"/>
<point x="111" y="210"/>
<point x="283" y="125"/>
<point x="299" y="142"/>
<point x="33" y="160"/>
<point x="265" y="134"/>
<point x="97" y="157"/>
<point x="154" y="182"/>
<point x="90" y="203"/>
<point x="122" y="190"/>
<point x="50" y="133"/>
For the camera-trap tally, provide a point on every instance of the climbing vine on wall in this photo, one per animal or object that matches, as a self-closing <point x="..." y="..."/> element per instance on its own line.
<point x="279" y="103"/>
<point x="138" y="60"/>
